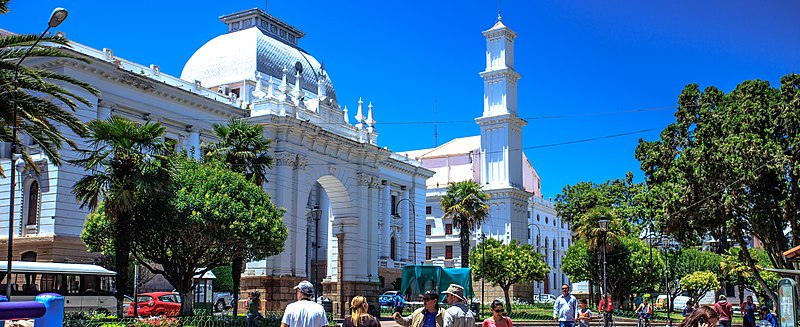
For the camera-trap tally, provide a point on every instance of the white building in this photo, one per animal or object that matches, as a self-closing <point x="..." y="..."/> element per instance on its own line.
<point x="339" y="188"/>
<point x="495" y="160"/>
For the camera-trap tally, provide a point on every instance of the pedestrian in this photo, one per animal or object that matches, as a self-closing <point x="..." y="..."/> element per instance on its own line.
<point x="398" y="302"/>
<point x="606" y="307"/>
<point x="749" y="309"/>
<point x="497" y="319"/>
<point x="427" y="316"/>
<point x="458" y="315"/>
<point x="584" y="313"/>
<point x="725" y="311"/>
<point x="702" y="317"/>
<point x="688" y="309"/>
<point x="304" y="312"/>
<point x="253" y="315"/>
<point x="359" y="314"/>
<point x="565" y="309"/>
<point x="769" y="317"/>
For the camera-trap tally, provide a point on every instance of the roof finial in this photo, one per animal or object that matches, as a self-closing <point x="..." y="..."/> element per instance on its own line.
<point x="499" y="17"/>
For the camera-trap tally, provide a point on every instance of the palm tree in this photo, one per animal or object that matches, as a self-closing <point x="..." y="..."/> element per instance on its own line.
<point x="127" y="161"/>
<point x="38" y="95"/>
<point x="465" y="204"/>
<point x="243" y="148"/>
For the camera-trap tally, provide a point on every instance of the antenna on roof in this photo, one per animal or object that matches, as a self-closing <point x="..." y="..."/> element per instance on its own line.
<point x="266" y="2"/>
<point x="435" y="132"/>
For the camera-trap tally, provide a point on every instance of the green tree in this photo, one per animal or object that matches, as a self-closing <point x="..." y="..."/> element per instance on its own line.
<point x="700" y="282"/>
<point x="506" y="265"/>
<point x="465" y="204"/>
<point x="195" y="226"/>
<point x="687" y="261"/>
<point x="128" y="164"/>
<point x="243" y="148"/>
<point x="224" y="281"/>
<point x="41" y="99"/>
<point x="728" y="167"/>
<point x="628" y="266"/>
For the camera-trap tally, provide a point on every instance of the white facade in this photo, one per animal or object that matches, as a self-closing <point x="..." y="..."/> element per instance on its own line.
<point x="517" y="210"/>
<point x="331" y="176"/>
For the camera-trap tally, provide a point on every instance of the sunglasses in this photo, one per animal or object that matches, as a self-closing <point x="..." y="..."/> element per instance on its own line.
<point x="565" y="289"/>
<point x="499" y="310"/>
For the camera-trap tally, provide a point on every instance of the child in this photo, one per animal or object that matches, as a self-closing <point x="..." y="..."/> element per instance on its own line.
<point x="768" y="317"/>
<point x="584" y="314"/>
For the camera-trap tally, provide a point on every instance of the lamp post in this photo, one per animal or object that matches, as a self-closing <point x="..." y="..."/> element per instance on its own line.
<point x="665" y="244"/>
<point x="603" y="222"/>
<point x="316" y="214"/>
<point x="56" y="18"/>
<point x="413" y="224"/>
<point x="483" y="269"/>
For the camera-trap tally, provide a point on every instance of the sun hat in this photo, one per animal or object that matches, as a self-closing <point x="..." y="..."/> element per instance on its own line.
<point x="456" y="290"/>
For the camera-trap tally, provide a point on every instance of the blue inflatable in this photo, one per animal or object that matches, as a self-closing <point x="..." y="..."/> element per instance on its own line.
<point x="47" y="310"/>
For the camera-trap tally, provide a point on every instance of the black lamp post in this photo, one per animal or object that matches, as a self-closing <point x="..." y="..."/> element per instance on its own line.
<point x="56" y="18"/>
<point x="665" y="240"/>
<point x="603" y="222"/>
<point x="483" y="269"/>
<point x="316" y="215"/>
<point x="413" y="224"/>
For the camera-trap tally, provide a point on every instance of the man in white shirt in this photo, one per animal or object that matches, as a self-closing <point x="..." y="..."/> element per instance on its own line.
<point x="565" y="310"/>
<point x="304" y="312"/>
<point x="458" y="315"/>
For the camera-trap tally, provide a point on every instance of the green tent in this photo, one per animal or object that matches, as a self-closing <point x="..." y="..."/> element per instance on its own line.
<point x="417" y="279"/>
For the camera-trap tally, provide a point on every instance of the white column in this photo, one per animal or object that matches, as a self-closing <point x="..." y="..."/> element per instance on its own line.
<point x="372" y="229"/>
<point x="282" y="263"/>
<point x="386" y="201"/>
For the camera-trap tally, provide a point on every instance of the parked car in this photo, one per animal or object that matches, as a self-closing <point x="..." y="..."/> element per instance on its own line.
<point x="387" y="298"/>
<point x="544" y="298"/>
<point x="222" y="301"/>
<point x="157" y="304"/>
<point x="677" y="303"/>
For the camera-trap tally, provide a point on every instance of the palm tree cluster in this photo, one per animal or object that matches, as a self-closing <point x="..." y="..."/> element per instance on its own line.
<point x="465" y="204"/>
<point x="39" y="97"/>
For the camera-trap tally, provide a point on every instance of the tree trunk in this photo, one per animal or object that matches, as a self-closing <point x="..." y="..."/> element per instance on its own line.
<point x="236" y="273"/>
<point x="754" y="269"/>
<point x="122" y="244"/>
<point x="508" y="298"/>
<point x="187" y="299"/>
<point x="464" y="233"/>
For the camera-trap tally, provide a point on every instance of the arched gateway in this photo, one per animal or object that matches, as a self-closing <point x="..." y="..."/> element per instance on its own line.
<point x="340" y="189"/>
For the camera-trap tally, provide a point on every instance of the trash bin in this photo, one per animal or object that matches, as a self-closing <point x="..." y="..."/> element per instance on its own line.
<point x="475" y="307"/>
<point x="327" y="305"/>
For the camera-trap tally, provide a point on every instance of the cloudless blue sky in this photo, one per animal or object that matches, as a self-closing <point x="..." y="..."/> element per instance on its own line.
<point x="589" y="69"/>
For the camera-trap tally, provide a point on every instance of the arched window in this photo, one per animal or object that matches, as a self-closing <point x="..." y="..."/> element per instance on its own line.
<point x="29" y="256"/>
<point x="33" y="204"/>
<point x="392" y="247"/>
<point x="537" y="217"/>
<point x="546" y="220"/>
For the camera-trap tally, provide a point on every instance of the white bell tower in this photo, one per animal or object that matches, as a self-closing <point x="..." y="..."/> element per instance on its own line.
<point x="501" y="127"/>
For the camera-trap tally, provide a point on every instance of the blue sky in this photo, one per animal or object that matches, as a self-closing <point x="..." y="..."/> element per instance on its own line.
<point x="590" y="69"/>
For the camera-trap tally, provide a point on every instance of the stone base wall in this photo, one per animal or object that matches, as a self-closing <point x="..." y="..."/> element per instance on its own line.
<point x="276" y="292"/>
<point x="341" y="300"/>
<point x="51" y="248"/>
<point x="389" y="276"/>
<point x="519" y="291"/>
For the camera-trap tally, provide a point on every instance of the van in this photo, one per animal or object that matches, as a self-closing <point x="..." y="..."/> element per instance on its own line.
<point x="677" y="303"/>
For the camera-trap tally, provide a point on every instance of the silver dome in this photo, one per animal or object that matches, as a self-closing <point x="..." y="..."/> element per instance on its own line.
<point x="237" y="56"/>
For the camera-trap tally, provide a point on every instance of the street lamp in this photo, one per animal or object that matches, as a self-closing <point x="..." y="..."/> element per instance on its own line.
<point x="665" y="241"/>
<point x="413" y="224"/>
<point x="316" y="215"/>
<point x="56" y="18"/>
<point x="483" y="269"/>
<point x="603" y="222"/>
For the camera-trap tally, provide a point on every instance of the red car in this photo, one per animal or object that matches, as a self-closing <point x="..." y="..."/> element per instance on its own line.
<point x="157" y="304"/>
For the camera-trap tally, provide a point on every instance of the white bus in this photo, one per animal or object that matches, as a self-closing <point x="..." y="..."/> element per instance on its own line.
<point x="85" y="287"/>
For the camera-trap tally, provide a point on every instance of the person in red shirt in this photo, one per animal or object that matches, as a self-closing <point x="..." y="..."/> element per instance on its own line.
<point x="606" y="308"/>
<point x="725" y="311"/>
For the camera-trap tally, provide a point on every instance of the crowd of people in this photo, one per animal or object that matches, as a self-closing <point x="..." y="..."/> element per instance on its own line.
<point x="567" y="311"/>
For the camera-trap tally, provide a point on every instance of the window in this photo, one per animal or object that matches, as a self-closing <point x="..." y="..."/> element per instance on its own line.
<point x="392" y="246"/>
<point x="428" y="229"/>
<point x="428" y="252"/>
<point x="29" y="256"/>
<point x="537" y="217"/>
<point x="394" y="205"/>
<point x="428" y="210"/>
<point x="562" y="241"/>
<point x="33" y="204"/>
<point x="546" y="220"/>
<point x="448" y="229"/>
<point x="448" y="252"/>
<point x="529" y="233"/>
